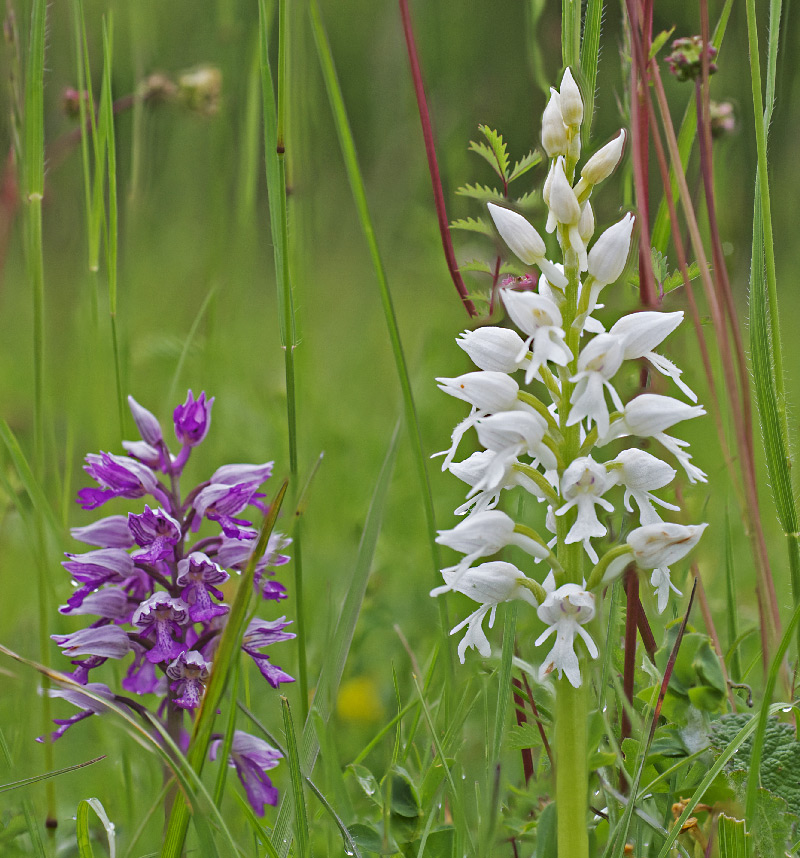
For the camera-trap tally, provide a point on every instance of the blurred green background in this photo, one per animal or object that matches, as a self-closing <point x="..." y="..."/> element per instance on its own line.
<point x="194" y="223"/>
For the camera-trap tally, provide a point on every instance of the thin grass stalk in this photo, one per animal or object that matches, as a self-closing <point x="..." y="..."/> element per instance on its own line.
<point x="360" y="196"/>
<point x="275" y="152"/>
<point x="571" y="33"/>
<point x="433" y="164"/>
<point x="112" y="230"/>
<point x="765" y="582"/>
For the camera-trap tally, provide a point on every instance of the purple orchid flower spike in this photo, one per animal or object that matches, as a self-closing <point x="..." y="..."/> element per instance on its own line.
<point x="155" y="597"/>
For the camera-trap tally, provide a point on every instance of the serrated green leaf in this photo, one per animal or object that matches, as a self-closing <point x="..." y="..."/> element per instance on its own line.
<point x="658" y="43"/>
<point x="495" y="153"/>
<point x="482" y="193"/>
<point x="524" y="164"/>
<point x="471" y="224"/>
<point x="676" y="278"/>
<point x="476" y="265"/>
<point x="526" y="200"/>
<point x="522" y="736"/>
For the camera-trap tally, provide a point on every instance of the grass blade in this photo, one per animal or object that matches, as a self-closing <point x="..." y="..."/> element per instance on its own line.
<point x="36" y="778"/>
<point x="504" y="677"/>
<point x="292" y="758"/>
<point x="360" y="197"/>
<point x="82" y="830"/>
<point x="331" y="674"/>
<point x="590" y="59"/>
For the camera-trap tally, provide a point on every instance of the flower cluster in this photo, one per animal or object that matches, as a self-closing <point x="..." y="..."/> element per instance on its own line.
<point x="550" y="439"/>
<point x="154" y="587"/>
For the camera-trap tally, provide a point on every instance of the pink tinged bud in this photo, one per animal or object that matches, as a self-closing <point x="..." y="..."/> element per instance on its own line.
<point x="554" y="132"/>
<point x="493" y="349"/>
<point x="149" y="428"/>
<point x="642" y="332"/>
<point x="487" y="391"/>
<point x="571" y="101"/>
<point x="602" y="164"/>
<point x="563" y="202"/>
<point x="609" y="253"/>
<point x="144" y="452"/>
<point x="660" y="545"/>
<point x="193" y="419"/>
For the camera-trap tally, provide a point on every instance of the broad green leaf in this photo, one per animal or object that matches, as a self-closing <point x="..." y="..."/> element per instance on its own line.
<point x="405" y="797"/>
<point x="732" y="838"/>
<point x="521" y="736"/>
<point x="367" y="782"/>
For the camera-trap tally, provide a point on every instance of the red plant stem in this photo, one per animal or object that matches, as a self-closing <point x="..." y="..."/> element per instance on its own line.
<point x="766" y="586"/>
<point x="433" y="164"/>
<point x="519" y="712"/>
<point x="631" y="621"/>
<point x="645" y="631"/>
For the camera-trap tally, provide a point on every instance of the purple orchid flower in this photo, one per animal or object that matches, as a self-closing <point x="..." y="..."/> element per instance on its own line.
<point x="119" y="477"/>
<point x="197" y="574"/>
<point x="261" y="633"/>
<point x="157" y="532"/>
<point x="252" y="758"/>
<point x="193" y="419"/>
<point x="190" y="672"/>
<point x="162" y="617"/>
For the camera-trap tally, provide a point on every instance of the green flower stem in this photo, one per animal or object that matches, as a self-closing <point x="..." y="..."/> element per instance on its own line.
<point x="551" y="382"/>
<point x="538" y="478"/>
<point x="541" y="408"/>
<point x="572" y="773"/>
<point x="572" y="779"/>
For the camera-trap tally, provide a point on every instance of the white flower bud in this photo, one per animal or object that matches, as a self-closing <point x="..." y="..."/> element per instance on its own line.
<point x="511" y="428"/>
<point x="518" y="234"/>
<point x="487" y="391"/>
<point x="492" y="583"/>
<point x="571" y="101"/>
<point x="609" y="253"/>
<point x="601" y="165"/>
<point x="554" y="132"/>
<point x="563" y="202"/>
<point x="659" y="545"/>
<point x="494" y="349"/>
<point x="642" y="332"/>
<point x="586" y="223"/>
<point x="649" y="414"/>
<point x="639" y="471"/>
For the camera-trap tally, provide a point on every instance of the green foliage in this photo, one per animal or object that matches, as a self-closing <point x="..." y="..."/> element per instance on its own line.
<point x="496" y="153"/>
<point x="732" y="837"/>
<point x="780" y="760"/>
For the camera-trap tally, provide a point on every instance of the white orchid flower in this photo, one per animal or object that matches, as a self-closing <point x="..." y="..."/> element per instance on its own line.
<point x="641" y="473"/>
<point x="583" y="485"/>
<point x="598" y="363"/>
<point x="495" y="349"/>
<point x="565" y="611"/>
<point x="489" y="584"/>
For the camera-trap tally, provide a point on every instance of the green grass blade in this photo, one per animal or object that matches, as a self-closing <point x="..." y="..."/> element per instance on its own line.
<point x="732" y="610"/>
<point x="360" y="197"/>
<point x="33" y="177"/>
<point x="32" y="486"/>
<point x="293" y="761"/>
<point x="274" y="152"/>
<point x="36" y="778"/>
<point x="230" y="641"/>
<point x="504" y="678"/>
<point x="227" y="739"/>
<point x="33" y="830"/>
<point x="82" y="831"/>
<point x="333" y="668"/>
<point x="590" y="59"/>
<point x="112" y="230"/>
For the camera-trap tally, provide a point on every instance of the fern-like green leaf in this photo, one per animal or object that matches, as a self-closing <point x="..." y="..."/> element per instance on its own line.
<point x="482" y="193"/>
<point x="524" y="164"/>
<point x="526" y="201"/>
<point x="471" y="224"/>
<point x="676" y="278"/>
<point x="495" y="153"/>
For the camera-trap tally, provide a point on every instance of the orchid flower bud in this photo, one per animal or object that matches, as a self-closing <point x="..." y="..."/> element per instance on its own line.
<point x="656" y="545"/>
<point x="586" y="223"/>
<point x="601" y="165"/>
<point x="554" y="132"/>
<point x="494" y="349"/>
<point x="571" y="101"/>
<point x="609" y="253"/>
<point x="642" y="332"/>
<point x="563" y="202"/>
<point x="146" y="422"/>
<point x="487" y="391"/>
<point x="525" y="242"/>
